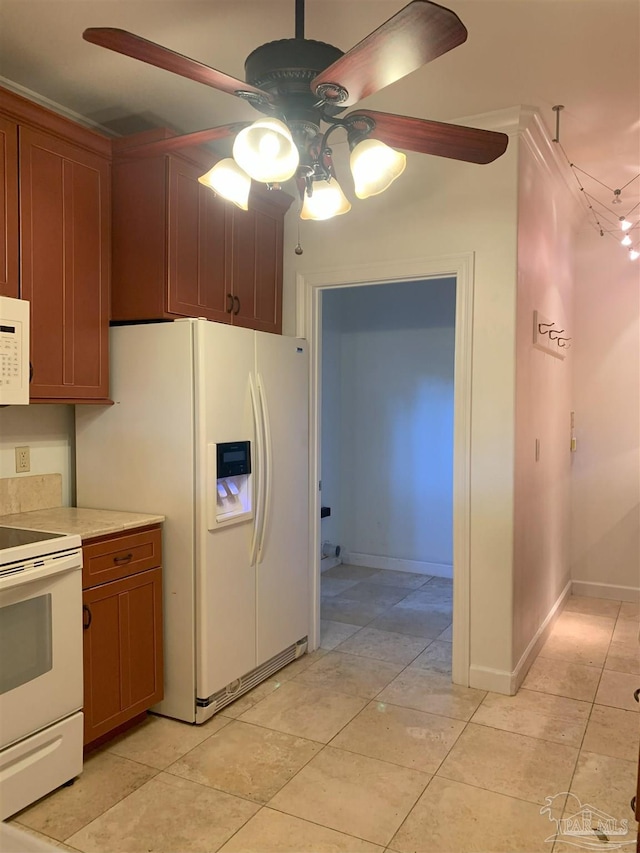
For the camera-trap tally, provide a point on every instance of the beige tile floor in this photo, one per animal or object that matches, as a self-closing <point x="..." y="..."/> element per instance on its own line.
<point x="365" y="745"/>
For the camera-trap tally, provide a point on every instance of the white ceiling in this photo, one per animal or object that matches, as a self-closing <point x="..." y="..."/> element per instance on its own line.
<point x="584" y="54"/>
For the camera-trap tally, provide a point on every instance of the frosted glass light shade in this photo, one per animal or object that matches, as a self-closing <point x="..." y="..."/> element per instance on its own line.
<point x="375" y="166"/>
<point x="228" y="180"/>
<point x="327" y="200"/>
<point x="266" y="151"/>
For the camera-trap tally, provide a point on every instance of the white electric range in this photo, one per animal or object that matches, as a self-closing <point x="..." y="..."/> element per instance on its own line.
<point x="41" y="721"/>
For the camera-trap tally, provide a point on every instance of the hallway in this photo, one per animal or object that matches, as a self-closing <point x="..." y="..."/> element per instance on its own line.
<point x="365" y="745"/>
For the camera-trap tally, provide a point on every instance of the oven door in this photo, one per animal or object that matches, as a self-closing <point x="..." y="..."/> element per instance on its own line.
<point x="40" y="645"/>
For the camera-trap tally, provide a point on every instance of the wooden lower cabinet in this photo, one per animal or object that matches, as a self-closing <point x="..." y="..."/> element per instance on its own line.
<point x="123" y="660"/>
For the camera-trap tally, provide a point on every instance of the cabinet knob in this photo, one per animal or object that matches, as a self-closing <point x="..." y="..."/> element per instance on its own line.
<point x="633" y="804"/>
<point x="236" y="302"/>
<point x="87" y="616"/>
<point x="636" y="694"/>
<point x="229" y="303"/>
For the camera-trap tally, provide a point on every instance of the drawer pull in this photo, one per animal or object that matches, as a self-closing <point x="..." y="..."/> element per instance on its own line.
<point x="636" y="694"/>
<point x="86" y="611"/>
<point x="633" y="804"/>
<point x="126" y="558"/>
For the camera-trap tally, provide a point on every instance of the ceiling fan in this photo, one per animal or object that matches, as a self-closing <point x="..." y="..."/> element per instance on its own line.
<point x="301" y="85"/>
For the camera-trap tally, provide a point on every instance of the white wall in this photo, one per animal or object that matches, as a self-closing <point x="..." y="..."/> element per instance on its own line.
<point x="441" y="207"/>
<point x="331" y="420"/>
<point x="548" y="210"/>
<point x="396" y="465"/>
<point x="605" y="496"/>
<point x="50" y="433"/>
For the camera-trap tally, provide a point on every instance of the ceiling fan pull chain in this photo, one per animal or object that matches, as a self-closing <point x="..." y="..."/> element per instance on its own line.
<point x="298" y="249"/>
<point x="299" y="19"/>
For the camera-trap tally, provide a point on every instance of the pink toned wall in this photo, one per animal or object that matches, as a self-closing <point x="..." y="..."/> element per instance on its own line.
<point x="605" y="487"/>
<point x="548" y="212"/>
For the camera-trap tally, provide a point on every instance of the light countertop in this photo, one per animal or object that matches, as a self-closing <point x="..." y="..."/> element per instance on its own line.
<point x="87" y="523"/>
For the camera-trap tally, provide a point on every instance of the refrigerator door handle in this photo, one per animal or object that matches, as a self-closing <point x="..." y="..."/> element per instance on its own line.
<point x="258" y="463"/>
<point x="267" y="467"/>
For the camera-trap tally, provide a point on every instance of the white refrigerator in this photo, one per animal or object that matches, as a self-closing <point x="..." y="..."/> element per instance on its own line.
<point x="236" y="583"/>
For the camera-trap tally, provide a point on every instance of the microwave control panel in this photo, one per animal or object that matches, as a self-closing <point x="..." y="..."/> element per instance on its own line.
<point x="14" y="351"/>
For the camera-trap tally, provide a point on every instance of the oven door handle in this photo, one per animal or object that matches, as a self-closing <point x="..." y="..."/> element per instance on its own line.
<point x="37" y="570"/>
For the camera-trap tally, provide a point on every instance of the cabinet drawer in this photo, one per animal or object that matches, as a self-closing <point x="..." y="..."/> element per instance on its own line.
<point x="118" y="556"/>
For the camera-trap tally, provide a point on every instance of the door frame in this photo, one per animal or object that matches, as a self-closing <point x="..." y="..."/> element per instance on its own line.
<point x="309" y="287"/>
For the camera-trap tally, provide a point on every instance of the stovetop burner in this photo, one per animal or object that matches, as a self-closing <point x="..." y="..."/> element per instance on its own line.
<point x="10" y="537"/>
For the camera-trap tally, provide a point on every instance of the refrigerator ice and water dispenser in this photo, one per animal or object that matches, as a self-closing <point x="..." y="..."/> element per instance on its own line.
<point x="232" y="460"/>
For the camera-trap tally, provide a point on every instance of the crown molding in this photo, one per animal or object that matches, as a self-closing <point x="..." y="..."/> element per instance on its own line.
<point x="55" y="107"/>
<point x="525" y="123"/>
<point x="536" y="137"/>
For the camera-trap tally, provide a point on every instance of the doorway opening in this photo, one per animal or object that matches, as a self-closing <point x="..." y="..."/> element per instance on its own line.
<point x="310" y="289"/>
<point x="387" y="382"/>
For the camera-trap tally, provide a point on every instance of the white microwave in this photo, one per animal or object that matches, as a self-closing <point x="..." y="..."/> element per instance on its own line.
<point x="14" y="351"/>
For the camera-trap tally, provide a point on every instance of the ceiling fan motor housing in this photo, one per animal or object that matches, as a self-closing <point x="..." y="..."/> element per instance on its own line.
<point x="285" y="69"/>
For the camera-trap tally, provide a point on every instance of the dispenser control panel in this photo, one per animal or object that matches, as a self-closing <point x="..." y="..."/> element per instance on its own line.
<point x="234" y="458"/>
<point x="229" y="491"/>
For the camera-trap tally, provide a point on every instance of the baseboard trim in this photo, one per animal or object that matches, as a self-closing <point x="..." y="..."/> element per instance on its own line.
<point x="508" y="683"/>
<point x="328" y="563"/>
<point x="605" y="590"/>
<point x="441" y="570"/>
<point x="538" y="640"/>
<point x="485" y="678"/>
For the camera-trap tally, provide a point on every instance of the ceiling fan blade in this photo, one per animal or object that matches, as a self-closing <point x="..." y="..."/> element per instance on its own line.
<point x="176" y="143"/>
<point x="154" y="54"/>
<point x="414" y="36"/>
<point x="455" y="141"/>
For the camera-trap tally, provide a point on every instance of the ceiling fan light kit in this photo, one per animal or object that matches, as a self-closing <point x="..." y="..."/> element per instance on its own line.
<point x="302" y="85"/>
<point x="374" y="167"/>
<point x="227" y="179"/>
<point x="325" y="201"/>
<point x="266" y="151"/>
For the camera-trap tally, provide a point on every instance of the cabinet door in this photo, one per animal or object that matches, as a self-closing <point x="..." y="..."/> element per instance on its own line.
<point x="9" y="208"/>
<point x="197" y="284"/>
<point x="65" y="230"/>
<point x="122" y="651"/>
<point x="256" y="267"/>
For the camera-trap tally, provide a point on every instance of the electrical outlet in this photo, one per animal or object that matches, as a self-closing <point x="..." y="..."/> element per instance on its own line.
<point x="23" y="460"/>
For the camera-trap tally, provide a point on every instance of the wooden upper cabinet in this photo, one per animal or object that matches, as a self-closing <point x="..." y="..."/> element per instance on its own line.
<point x="55" y="213"/>
<point x="9" y="285"/>
<point x="65" y="224"/>
<point x="256" y="266"/>
<point x="181" y="251"/>
<point x="197" y="279"/>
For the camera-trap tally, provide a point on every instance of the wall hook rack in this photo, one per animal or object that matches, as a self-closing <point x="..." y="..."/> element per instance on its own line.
<point x="555" y="337"/>
<point x="549" y="337"/>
